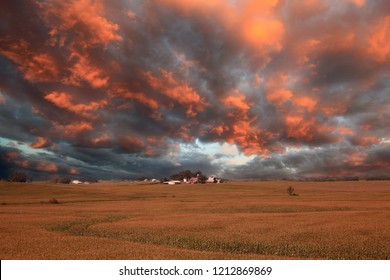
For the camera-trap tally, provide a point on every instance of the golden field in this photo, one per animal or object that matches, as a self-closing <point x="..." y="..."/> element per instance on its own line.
<point x="233" y="220"/>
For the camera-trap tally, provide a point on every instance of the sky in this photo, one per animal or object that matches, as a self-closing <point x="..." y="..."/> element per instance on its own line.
<point x="239" y="89"/>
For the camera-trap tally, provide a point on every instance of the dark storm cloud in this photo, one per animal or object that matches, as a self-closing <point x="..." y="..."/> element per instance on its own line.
<point x="322" y="162"/>
<point x="6" y="165"/>
<point x="122" y="87"/>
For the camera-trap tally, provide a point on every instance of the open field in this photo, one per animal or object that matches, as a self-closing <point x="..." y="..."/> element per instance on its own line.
<point x="233" y="220"/>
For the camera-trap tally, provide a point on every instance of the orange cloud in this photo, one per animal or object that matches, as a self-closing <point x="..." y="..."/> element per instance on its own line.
<point x="73" y="171"/>
<point x="219" y="130"/>
<point x="260" y="26"/>
<point x="248" y="137"/>
<point x="97" y="140"/>
<point x="367" y="140"/>
<point x="263" y="32"/>
<point x="299" y="127"/>
<point x="177" y="90"/>
<point x="41" y="67"/>
<point x="73" y="129"/>
<point x="303" y="125"/>
<point x="64" y="100"/>
<point x="304" y="9"/>
<point x="23" y="163"/>
<point x="254" y="7"/>
<point x="93" y="106"/>
<point x="227" y="13"/>
<point x="379" y="41"/>
<point x="60" y="99"/>
<point x="88" y="15"/>
<point x="303" y="49"/>
<point x="12" y="155"/>
<point x="103" y="140"/>
<point x="276" y="89"/>
<point x="254" y="22"/>
<point x="131" y="144"/>
<point x="184" y="133"/>
<point x="237" y="101"/>
<point x="137" y="96"/>
<point x="305" y="102"/>
<point x="356" y="158"/>
<point x="40" y="143"/>
<point x="334" y="108"/>
<point x="46" y="167"/>
<point x="279" y="96"/>
<point x="240" y="128"/>
<point x="358" y="3"/>
<point x="83" y="70"/>
<point x="345" y="130"/>
<point x="34" y="66"/>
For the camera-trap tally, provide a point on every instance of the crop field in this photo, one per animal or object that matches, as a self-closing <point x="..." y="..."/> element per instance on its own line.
<point x="233" y="220"/>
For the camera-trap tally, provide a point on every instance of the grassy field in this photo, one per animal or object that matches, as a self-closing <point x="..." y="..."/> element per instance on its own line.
<point x="233" y="220"/>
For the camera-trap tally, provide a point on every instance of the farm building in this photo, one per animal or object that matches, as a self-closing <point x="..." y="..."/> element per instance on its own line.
<point x="76" y="182"/>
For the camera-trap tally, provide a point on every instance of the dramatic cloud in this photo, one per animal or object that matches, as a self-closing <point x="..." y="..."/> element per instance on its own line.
<point x="241" y="89"/>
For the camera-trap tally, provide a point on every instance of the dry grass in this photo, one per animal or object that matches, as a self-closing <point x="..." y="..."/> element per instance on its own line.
<point x="234" y="220"/>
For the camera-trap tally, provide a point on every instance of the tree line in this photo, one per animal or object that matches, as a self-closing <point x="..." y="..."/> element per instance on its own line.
<point x="187" y="174"/>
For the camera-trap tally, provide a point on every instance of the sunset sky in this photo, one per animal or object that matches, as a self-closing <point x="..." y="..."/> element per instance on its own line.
<point x="238" y="89"/>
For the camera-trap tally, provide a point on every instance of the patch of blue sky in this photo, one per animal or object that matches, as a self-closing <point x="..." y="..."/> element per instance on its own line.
<point x="23" y="147"/>
<point x="221" y="153"/>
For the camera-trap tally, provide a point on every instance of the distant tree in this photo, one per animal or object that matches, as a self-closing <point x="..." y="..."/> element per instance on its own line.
<point x="290" y="190"/>
<point x="162" y="180"/>
<point x="182" y="175"/>
<point x="53" y="201"/>
<point x="90" y="180"/>
<point x="202" y="178"/>
<point x="18" y="176"/>
<point x="374" y="178"/>
<point x="187" y="174"/>
<point x="63" y="180"/>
